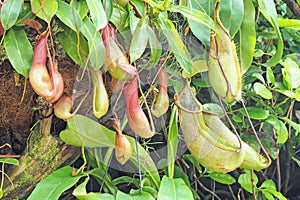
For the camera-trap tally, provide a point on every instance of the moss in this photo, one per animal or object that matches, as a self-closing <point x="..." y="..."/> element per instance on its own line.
<point x="26" y="179"/>
<point x="44" y="148"/>
<point x="3" y="55"/>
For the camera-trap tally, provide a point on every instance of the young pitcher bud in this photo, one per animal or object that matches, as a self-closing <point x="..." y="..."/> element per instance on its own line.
<point x="123" y="149"/>
<point x="137" y="119"/>
<point x="39" y="77"/>
<point x="223" y="66"/>
<point x="63" y="108"/>
<point x="100" y="96"/>
<point x="161" y="104"/>
<point x="114" y="56"/>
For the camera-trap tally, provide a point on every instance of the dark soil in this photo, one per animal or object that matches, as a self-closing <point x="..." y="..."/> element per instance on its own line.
<point x="17" y="115"/>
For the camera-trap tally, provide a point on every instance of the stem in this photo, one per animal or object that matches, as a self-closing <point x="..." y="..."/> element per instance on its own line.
<point x="2" y="181"/>
<point x="85" y="96"/>
<point x="84" y="160"/>
<point x="40" y="8"/>
<point x="253" y="185"/>
<point x="206" y="189"/>
<point x="138" y="159"/>
<point x="105" y="174"/>
<point x="213" y="189"/>
<point x="24" y="91"/>
<point x="231" y="192"/>
<point x="288" y="168"/>
<point x="278" y="172"/>
<point x="147" y="107"/>
<point x="2" y="176"/>
<point x="230" y="123"/>
<point x="10" y="156"/>
<point x="255" y="133"/>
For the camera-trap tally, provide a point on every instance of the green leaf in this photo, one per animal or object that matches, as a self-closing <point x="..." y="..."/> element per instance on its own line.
<point x="81" y="194"/>
<point x="139" y="39"/>
<point x="81" y="7"/>
<point x="148" y="189"/>
<point x="83" y="130"/>
<point x="55" y="184"/>
<point x="262" y="91"/>
<point x="255" y="113"/>
<point x="222" y="178"/>
<point x="201" y="31"/>
<point x="69" y="16"/>
<point x="81" y="189"/>
<point x="291" y="94"/>
<point x="140" y="7"/>
<point x="174" y="189"/>
<point x="98" y="13"/>
<point x="76" y="47"/>
<point x="247" y="36"/>
<point x="194" y="15"/>
<point x="268" y="195"/>
<point x="172" y="141"/>
<point x="282" y="133"/>
<point x="155" y="49"/>
<point x="268" y="184"/>
<point x="98" y="173"/>
<point x="270" y="76"/>
<point x="19" y="50"/>
<point x="280" y="128"/>
<point x="260" y="77"/>
<point x="155" y="4"/>
<point x="125" y="179"/>
<point x="96" y="196"/>
<point x="10" y="161"/>
<point x="291" y="74"/>
<point x="136" y="196"/>
<point x="215" y="108"/>
<point x="71" y="137"/>
<point x="268" y="9"/>
<point x="258" y="53"/>
<point x="25" y="13"/>
<point x="179" y="173"/>
<point x="245" y="181"/>
<point x="10" y="12"/>
<point x="97" y="51"/>
<point x="289" y="23"/>
<point x="116" y="18"/>
<point x="44" y="9"/>
<point x="295" y="125"/>
<point x="198" y="67"/>
<point x="177" y="46"/>
<point x="237" y="118"/>
<point x="134" y="21"/>
<point x="231" y="15"/>
<point x="193" y="161"/>
<point x="275" y="193"/>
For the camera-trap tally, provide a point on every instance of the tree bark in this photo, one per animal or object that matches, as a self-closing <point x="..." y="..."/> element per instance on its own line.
<point x="294" y="6"/>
